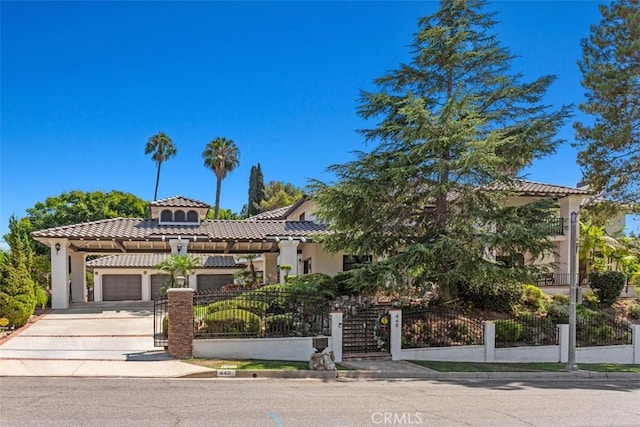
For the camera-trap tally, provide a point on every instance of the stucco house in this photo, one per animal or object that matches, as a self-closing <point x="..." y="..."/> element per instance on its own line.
<point x="130" y="247"/>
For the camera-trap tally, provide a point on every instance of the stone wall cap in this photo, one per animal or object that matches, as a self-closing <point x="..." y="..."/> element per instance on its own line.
<point x="171" y="290"/>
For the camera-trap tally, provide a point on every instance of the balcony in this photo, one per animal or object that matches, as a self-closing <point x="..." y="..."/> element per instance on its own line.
<point x="555" y="227"/>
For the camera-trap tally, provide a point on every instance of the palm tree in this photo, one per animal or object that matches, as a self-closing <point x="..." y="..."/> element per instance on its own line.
<point x="179" y="265"/>
<point x="161" y="148"/>
<point x="221" y="155"/>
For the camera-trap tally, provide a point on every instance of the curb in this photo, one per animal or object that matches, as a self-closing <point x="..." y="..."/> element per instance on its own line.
<point x="436" y="376"/>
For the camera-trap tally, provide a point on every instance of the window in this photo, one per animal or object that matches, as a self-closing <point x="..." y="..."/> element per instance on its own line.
<point x="192" y="216"/>
<point x="511" y="261"/>
<point x="302" y="217"/>
<point x="349" y="262"/>
<point x="306" y="266"/>
<point x="166" y="216"/>
<point x="179" y="216"/>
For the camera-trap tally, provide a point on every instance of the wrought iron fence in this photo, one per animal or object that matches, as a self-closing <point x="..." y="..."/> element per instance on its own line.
<point x="525" y="331"/>
<point x="598" y="331"/>
<point x="160" y="321"/>
<point x="424" y="327"/>
<point x="262" y="313"/>
<point x="555" y="226"/>
<point x="559" y="279"/>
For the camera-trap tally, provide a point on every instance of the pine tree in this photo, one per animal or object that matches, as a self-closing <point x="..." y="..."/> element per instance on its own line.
<point x="450" y="122"/>
<point x="610" y="140"/>
<point x="256" y="190"/>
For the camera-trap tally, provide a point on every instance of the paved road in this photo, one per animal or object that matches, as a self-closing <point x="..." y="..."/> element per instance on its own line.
<point x="234" y="402"/>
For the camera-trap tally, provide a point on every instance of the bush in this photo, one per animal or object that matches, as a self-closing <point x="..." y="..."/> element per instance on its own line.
<point x="634" y="311"/>
<point x="492" y="296"/>
<point x="233" y="322"/>
<point x="42" y="296"/>
<point x="560" y="299"/>
<point x="242" y="302"/>
<point x="558" y="312"/>
<point x="15" y="309"/>
<point x="280" y="324"/>
<point x="165" y="326"/>
<point x="590" y="300"/>
<point x="607" y="285"/>
<point x="508" y="331"/>
<point x="533" y="297"/>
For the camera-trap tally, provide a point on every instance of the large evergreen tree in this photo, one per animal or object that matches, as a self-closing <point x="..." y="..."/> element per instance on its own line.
<point x="278" y="194"/>
<point x="256" y="190"/>
<point x="610" y="140"/>
<point x="452" y="123"/>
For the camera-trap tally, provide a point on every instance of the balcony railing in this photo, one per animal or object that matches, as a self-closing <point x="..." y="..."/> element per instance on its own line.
<point x="555" y="227"/>
<point x="559" y="279"/>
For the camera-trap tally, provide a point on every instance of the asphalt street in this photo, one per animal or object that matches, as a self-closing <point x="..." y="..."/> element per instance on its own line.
<point x="268" y="402"/>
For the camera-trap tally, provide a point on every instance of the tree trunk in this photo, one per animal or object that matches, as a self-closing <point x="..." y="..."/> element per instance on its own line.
<point x="155" y="193"/>
<point x="216" y="209"/>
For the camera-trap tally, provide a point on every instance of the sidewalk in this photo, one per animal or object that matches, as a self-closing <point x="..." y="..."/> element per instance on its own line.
<point x="362" y="370"/>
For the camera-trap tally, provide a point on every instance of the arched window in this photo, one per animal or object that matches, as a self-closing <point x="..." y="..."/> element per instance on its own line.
<point x="166" y="216"/>
<point x="178" y="216"/>
<point x="192" y="216"/>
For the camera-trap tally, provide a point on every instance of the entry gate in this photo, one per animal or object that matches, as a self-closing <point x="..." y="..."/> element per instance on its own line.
<point x="161" y="321"/>
<point x="365" y="332"/>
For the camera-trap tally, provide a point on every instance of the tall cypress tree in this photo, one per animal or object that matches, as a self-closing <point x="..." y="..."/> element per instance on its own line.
<point x="450" y="123"/>
<point x="256" y="190"/>
<point x="610" y="141"/>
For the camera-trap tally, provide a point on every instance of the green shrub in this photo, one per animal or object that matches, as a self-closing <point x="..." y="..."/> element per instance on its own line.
<point x="15" y="309"/>
<point x="607" y="285"/>
<point x="318" y="284"/>
<point x="242" y="302"/>
<point x="165" y="326"/>
<point x="590" y="300"/>
<point x="279" y="323"/>
<point x="507" y="331"/>
<point x="634" y="311"/>
<point x="233" y="322"/>
<point x="558" y="312"/>
<point x="533" y="297"/>
<point x="491" y="296"/>
<point x="560" y="299"/>
<point x="42" y="296"/>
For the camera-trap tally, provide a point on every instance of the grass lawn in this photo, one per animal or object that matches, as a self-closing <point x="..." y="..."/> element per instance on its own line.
<point x="523" y="367"/>
<point x="282" y="365"/>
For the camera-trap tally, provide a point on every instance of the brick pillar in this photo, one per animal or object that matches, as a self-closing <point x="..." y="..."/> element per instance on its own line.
<point x="180" y="322"/>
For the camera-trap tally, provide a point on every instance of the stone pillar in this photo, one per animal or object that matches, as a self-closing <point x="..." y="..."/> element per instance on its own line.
<point x="180" y="322"/>
<point x="635" y="339"/>
<point x="395" y="334"/>
<point x="489" y="342"/>
<point x="97" y="285"/>
<point x="336" y="335"/>
<point x="178" y="246"/>
<point x="567" y="205"/>
<point x="78" y="277"/>
<point x="563" y="339"/>
<point x="270" y="269"/>
<point x="289" y="255"/>
<point x="59" y="273"/>
<point x="193" y="281"/>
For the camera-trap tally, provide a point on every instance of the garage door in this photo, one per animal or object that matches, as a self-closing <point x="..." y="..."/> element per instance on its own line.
<point x="212" y="282"/>
<point x="157" y="282"/>
<point x="121" y="287"/>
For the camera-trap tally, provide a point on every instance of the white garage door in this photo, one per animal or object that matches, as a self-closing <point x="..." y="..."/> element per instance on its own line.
<point x="212" y="282"/>
<point x="121" y="287"/>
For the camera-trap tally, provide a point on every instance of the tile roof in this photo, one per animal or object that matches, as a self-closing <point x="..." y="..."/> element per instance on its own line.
<point x="179" y="202"/>
<point x="272" y="214"/>
<point x="149" y="260"/>
<point x="142" y="229"/>
<point x="530" y="188"/>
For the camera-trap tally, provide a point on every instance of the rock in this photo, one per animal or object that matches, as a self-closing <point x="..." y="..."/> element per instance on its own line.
<point x="322" y="362"/>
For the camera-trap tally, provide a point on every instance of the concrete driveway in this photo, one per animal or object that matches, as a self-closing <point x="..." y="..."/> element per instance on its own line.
<point x="89" y="331"/>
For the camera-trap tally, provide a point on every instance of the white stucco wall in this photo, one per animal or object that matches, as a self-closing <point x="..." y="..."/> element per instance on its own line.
<point x="294" y="349"/>
<point x="547" y="353"/>
<point x="468" y="353"/>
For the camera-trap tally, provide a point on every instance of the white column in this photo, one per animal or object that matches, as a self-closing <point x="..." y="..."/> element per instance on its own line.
<point x="270" y="269"/>
<point x="97" y="285"/>
<point x="193" y="281"/>
<point x="336" y="335"/>
<point x="146" y="286"/>
<point x="78" y="276"/>
<point x="563" y="339"/>
<point x="396" y="334"/>
<point x="567" y="205"/>
<point x="59" y="273"/>
<point x="289" y="255"/>
<point x="489" y="342"/>
<point x="635" y="339"/>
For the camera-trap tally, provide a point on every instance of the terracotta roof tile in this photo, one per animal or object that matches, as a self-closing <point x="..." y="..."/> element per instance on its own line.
<point x="272" y="214"/>
<point x="149" y="260"/>
<point x="530" y="188"/>
<point x="179" y="202"/>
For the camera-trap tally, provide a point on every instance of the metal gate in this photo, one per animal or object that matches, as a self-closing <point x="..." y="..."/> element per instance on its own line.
<point x="365" y="332"/>
<point x="161" y="321"/>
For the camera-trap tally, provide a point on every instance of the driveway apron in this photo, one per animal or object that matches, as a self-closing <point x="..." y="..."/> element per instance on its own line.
<point x="89" y="331"/>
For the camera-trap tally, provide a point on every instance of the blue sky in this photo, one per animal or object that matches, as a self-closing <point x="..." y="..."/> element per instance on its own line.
<point x="85" y="84"/>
